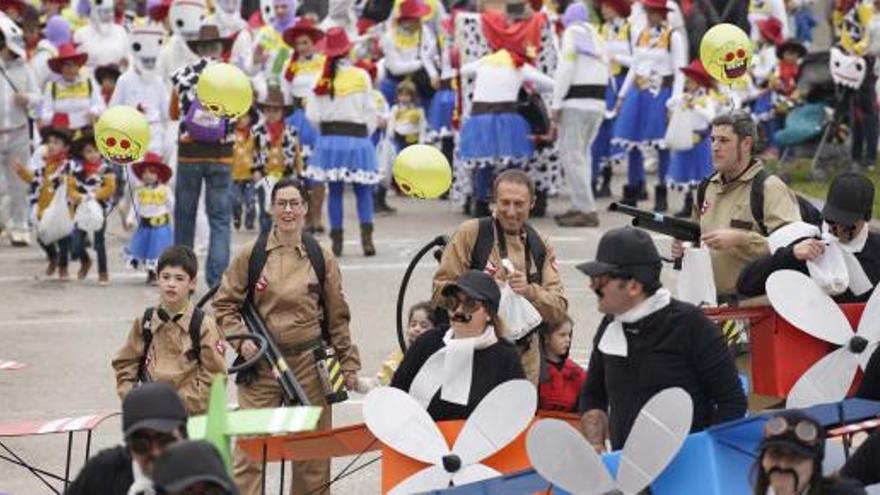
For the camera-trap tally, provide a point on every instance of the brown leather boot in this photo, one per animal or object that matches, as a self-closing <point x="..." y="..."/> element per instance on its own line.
<point x="316" y="205"/>
<point x="367" y="239"/>
<point x="336" y="238"/>
<point x="85" y="265"/>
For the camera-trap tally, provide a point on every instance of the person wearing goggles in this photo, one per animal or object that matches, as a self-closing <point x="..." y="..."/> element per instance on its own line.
<point x="790" y="459"/>
<point x="473" y="355"/>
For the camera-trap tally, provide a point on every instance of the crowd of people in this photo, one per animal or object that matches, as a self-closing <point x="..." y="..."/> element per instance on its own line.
<point x="595" y="86"/>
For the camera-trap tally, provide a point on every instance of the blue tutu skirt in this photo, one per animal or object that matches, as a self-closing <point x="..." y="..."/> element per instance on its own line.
<point x="344" y="159"/>
<point x="441" y="110"/>
<point x="642" y="119"/>
<point x="147" y="244"/>
<point x="308" y="135"/>
<point x="691" y="166"/>
<point x="495" y="136"/>
<point x="762" y="108"/>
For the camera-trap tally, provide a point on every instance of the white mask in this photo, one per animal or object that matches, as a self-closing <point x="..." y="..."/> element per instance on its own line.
<point x="186" y="17"/>
<point x="144" y="44"/>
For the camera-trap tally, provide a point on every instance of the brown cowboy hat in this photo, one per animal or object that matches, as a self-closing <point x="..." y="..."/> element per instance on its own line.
<point x="67" y="53"/>
<point x="58" y="127"/>
<point x="303" y="27"/>
<point x="790" y="44"/>
<point x="273" y="97"/>
<point x="110" y="71"/>
<point x="209" y="33"/>
<point x="154" y="162"/>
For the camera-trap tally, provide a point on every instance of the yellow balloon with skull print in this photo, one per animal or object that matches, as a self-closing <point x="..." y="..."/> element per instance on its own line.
<point x="225" y="90"/>
<point x="122" y="134"/>
<point x="422" y="171"/>
<point x="726" y="53"/>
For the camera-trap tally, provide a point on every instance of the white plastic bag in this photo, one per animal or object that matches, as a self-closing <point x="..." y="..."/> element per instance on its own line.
<point x="89" y="215"/>
<point x="680" y="133"/>
<point x="56" y="223"/>
<point x="518" y="314"/>
<point x="696" y="283"/>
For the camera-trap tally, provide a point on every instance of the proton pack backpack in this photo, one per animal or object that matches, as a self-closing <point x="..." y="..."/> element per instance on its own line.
<point x="195" y="337"/>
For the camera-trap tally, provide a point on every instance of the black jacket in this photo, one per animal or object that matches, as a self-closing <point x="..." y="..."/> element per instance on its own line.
<point x="753" y="278"/>
<point x="676" y="346"/>
<point x="108" y="473"/>
<point x="493" y="366"/>
<point x="864" y="465"/>
<point x="870" y="386"/>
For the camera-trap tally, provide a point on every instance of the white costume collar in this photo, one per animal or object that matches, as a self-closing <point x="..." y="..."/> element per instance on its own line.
<point x="613" y="340"/>
<point x="141" y="485"/>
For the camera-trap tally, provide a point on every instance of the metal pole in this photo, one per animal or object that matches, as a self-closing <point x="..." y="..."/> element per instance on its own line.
<point x="67" y="464"/>
<point x="88" y="445"/>
<point x="263" y="480"/>
<point x="27" y="466"/>
<point x="281" y="484"/>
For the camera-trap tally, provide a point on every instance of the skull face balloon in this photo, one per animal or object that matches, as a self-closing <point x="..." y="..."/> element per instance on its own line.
<point x="726" y="52"/>
<point x="847" y="70"/>
<point x="186" y="17"/>
<point x="122" y="134"/>
<point x="225" y="90"/>
<point x="422" y="171"/>
<point x="145" y="41"/>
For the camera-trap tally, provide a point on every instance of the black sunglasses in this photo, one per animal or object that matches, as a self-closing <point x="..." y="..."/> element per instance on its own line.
<point x="142" y="442"/>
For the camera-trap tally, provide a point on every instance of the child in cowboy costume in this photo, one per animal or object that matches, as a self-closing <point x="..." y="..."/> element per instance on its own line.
<point x="153" y="203"/>
<point x="276" y="148"/>
<point x="243" y="154"/>
<point x="73" y="93"/>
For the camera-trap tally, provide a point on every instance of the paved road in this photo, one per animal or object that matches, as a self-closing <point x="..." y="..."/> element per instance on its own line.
<point x="67" y="332"/>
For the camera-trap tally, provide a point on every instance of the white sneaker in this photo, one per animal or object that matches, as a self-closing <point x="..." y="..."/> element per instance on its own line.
<point x="20" y="239"/>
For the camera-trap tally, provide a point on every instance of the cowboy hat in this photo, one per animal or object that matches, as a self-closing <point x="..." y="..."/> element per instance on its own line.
<point x="771" y="30"/>
<point x="336" y="43"/>
<point x="107" y="71"/>
<point x="413" y="9"/>
<point x="67" y="53"/>
<point x="656" y="5"/>
<point x="790" y="44"/>
<point x="154" y="162"/>
<point x="273" y="97"/>
<point x="303" y="27"/>
<point x="622" y="7"/>
<point x="209" y="33"/>
<point x="58" y="127"/>
<point x="698" y="73"/>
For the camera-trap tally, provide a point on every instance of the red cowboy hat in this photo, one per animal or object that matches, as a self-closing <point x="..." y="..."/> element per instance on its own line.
<point x="59" y="127"/>
<point x="622" y="7"/>
<point x="336" y="43"/>
<point x="153" y="162"/>
<point x="303" y="27"/>
<point x="771" y="29"/>
<point x="67" y="53"/>
<point x="698" y="73"/>
<point x="656" y="5"/>
<point x="413" y="9"/>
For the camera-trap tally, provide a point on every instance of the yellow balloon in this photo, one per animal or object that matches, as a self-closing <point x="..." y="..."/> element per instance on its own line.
<point x="422" y="171"/>
<point x="225" y="90"/>
<point x="726" y="52"/>
<point x="122" y="134"/>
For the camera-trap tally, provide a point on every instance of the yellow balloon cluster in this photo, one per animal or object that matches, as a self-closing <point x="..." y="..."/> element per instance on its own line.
<point x="422" y="171"/>
<point x="726" y="52"/>
<point x="225" y="90"/>
<point x="122" y="134"/>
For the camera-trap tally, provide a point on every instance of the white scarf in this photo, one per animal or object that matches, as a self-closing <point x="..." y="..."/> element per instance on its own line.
<point x="838" y="269"/>
<point x="141" y="485"/>
<point x="613" y="341"/>
<point x="450" y="369"/>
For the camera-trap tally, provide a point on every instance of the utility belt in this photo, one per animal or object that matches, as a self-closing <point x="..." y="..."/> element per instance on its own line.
<point x="343" y="129"/>
<point x="481" y="107"/>
<point x="645" y="82"/>
<point x="327" y="366"/>
<point x="154" y="222"/>
<point x="594" y="91"/>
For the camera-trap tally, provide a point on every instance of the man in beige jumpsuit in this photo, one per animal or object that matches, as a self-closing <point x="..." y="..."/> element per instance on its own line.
<point x="286" y="296"/>
<point x="514" y="195"/>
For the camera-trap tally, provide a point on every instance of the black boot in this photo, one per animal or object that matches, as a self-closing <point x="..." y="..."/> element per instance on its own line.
<point x="380" y="205"/>
<point x="367" y="239"/>
<point x="481" y="209"/>
<point x="630" y="196"/>
<point x="640" y="192"/>
<point x="660" y="204"/>
<point x="540" y="208"/>
<point x="688" y="207"/>
<point x="336" y="238"/>
<point x="604" y="190"/>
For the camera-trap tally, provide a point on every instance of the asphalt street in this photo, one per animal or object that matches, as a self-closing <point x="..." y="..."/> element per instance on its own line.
<point x="67" y="332"/>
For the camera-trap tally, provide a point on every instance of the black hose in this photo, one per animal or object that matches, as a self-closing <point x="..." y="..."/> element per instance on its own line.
<point x="439" y="241"/>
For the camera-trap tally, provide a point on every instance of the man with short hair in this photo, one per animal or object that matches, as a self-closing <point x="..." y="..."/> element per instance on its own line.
<point x="153" y="417"/>
<point x="729" y="226"/>
<point x="648" y="342"/>
<point x="482" y="244"/>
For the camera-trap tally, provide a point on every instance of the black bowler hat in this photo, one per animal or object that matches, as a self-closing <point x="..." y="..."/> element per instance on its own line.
<point x="188" y="462"/>
<point x="850" y="199"/>
<point x="478" y="286"/>
<point x="625" y="251"/>
<point x="152" y="406"/>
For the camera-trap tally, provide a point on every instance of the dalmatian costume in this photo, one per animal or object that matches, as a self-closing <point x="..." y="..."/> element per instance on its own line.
<point x="103" y="40"/>
<point x="185" y="17"/>
<point x="141" y="87"/>
<point x="543" y="166"/>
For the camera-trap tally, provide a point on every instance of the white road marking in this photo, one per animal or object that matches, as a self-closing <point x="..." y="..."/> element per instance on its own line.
<point x="63" y="321"/>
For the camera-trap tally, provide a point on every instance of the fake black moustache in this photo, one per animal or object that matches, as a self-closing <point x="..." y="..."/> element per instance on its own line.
<point x="777" y="469"/>
<point x="462" y="318"/>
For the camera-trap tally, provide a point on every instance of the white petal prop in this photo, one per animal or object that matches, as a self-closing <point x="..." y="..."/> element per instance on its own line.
<point x="826" y="381"/>
<point x="428" y="479"/>
<point x="802" y="303"/>
<point x="498" y="419"/>
<point x="561" y="455"/>
<point x="474" y="473"/>
<point x="655" y="438"/>
<point x="613" y="341"/>
<point x="869" y="325"/>
<point x="399" y="422"/>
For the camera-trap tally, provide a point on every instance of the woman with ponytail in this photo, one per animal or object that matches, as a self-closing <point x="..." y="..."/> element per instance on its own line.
<point x="343" y="109"/>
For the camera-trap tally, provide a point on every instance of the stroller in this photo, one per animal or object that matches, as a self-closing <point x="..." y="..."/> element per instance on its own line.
<point x="817" y="128"/>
